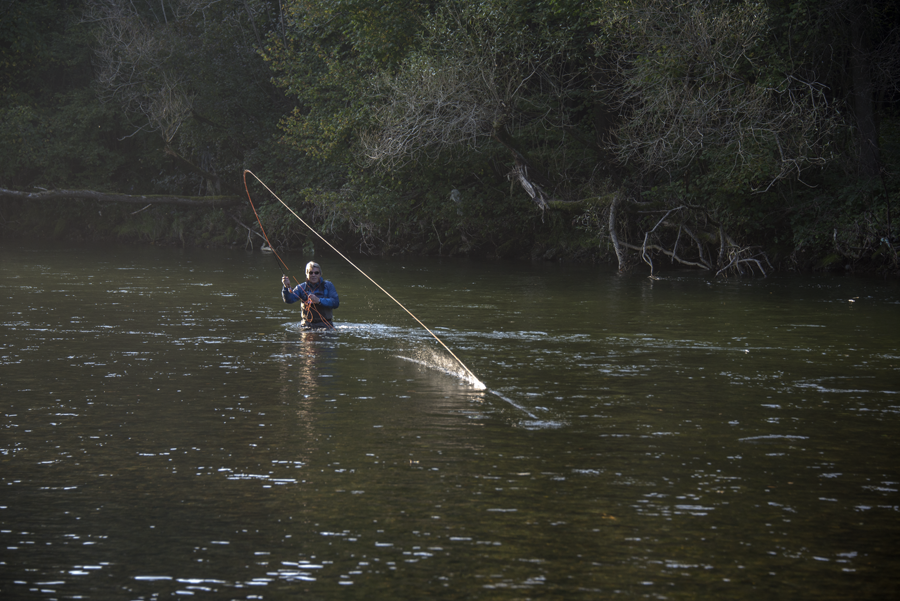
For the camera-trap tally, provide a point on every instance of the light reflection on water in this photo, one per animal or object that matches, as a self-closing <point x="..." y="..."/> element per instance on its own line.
<point x="167" y="430"/>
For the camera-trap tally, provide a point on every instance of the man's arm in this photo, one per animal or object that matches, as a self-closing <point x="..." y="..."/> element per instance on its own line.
<point x="291" y="296"/>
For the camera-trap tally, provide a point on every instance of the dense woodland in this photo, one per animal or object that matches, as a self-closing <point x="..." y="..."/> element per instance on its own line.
<point x="738" y="137"/>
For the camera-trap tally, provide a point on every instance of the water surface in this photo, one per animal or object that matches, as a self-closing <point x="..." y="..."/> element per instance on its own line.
<point x="168" y="431"/>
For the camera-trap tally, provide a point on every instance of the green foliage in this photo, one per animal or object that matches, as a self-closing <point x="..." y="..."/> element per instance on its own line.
<point x="396" y="126"/>
<point x="69" y="142"/>
<point x="29" y="38"/>
<point x="851" y="227"/>
<point x="324" y="58"/>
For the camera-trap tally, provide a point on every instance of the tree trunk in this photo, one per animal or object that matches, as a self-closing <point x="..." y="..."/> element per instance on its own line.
<point x="523" y="171"/>
<point x="863" y="101"/>
<point x="520" y="172"/>
<point x="612" y="232"/>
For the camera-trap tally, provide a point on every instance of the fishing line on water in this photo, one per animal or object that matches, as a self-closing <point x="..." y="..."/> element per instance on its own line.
<point x="475" y="379"/>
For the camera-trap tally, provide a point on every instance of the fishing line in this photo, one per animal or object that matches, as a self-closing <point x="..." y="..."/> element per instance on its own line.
<point x="309" y="305"/>
<point x="283" y="267"/>
<point x="477" y="382"/>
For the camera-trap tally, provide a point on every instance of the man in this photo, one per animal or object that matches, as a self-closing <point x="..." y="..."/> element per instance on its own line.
<point x="318" y="295"/>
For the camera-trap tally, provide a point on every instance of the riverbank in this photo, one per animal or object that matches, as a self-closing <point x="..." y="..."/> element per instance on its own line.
<point x="561" y="236"/>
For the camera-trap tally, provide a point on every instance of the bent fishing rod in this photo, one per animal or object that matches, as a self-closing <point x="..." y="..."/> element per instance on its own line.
<point x="310" y="307"/>
<point x="377" y="285"/>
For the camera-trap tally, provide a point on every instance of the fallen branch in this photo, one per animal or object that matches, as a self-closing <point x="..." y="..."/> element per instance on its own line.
<point x="665" y="252"/>
<point x="249" y="232"/>
<point x="185" y="201"/>
<point x="737" y="260"/>
<point x="699" y="244"/>
<point x="716" y="250"/>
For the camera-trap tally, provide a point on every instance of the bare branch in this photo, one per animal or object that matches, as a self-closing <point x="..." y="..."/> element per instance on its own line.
<point x="462" y="89"/>
<point x="132" y="57"/>
<point x="683" y="92"/>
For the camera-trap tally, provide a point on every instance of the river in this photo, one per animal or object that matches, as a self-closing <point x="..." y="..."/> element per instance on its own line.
<point x="168" y="431"/>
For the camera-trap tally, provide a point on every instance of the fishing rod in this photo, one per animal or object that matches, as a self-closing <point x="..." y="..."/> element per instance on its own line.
<point x="310" y="228"/>
<point x="284" y="268"/>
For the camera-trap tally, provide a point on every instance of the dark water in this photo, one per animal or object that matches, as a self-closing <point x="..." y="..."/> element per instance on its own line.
<point x="166" y="431"/>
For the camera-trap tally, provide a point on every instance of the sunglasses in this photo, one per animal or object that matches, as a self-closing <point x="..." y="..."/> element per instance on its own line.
<point x="314" y="272"/>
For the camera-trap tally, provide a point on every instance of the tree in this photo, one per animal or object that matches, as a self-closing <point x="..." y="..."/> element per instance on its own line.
<point x="52" y="131"/>
<point x="189" y="71"/>
<point x="324" y="58"/>
<point x="484" y="72"/>
<point x="692" y="84"/>
<point x="851" y="48"/>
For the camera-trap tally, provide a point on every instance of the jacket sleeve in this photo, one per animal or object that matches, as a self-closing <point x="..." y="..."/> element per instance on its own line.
<point x="330" y="298"/>
<point x="292" y="296"/>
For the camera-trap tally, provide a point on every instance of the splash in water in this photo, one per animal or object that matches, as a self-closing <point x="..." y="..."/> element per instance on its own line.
<point x="432" y="360"/>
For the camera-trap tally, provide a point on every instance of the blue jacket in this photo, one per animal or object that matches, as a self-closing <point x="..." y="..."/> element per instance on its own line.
<point x="317" y="314"/>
